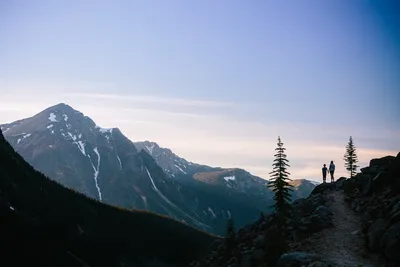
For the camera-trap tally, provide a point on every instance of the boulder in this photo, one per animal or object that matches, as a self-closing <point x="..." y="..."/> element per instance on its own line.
<point x="323" y="187"/>
<point x="300" y="259"/>
<point x="340" y="182"/>
<point x="303" y="206"/>
<point x="320" y="219"/>
<point x="366" y="187"/>
<point x="391" y="242"/>
<point x="381" y="164"/>
<point x="375" y="233"/>
<point x="260" y="241"/>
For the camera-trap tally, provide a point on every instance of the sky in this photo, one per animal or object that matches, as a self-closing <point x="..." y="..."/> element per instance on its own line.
<point x="216" y="81"/>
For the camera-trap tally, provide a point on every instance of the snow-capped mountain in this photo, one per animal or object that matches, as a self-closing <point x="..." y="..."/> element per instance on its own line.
<point x="228" y="180"/>
<point x="102" y="163"/>
<point x="173" y="165"/>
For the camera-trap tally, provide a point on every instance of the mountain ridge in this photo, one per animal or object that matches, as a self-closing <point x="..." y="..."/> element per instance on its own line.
<point x="72" y="149"/>
<point x="47" y="224"/>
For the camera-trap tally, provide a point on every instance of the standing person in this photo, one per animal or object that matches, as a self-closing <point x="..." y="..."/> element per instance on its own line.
<point x="324" y="172"/>
<point x="332" y="171"/>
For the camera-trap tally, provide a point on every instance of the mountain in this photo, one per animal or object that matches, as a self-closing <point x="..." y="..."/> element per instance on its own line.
<point x="231" y="179"/>
<point x="303" y="188"/>
<point x="173" y="165"/>
<point x="45" y="224"/>
<point x="70" y="148"/>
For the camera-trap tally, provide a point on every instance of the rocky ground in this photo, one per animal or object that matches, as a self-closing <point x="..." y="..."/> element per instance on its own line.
<point x="344" y="243"/>
<point x="352" y="222"/>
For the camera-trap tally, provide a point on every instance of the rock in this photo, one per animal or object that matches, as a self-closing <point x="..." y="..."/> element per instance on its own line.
<point x="233" y="261"/>
<point x="323" y="187"/>
<point x="381" y="164"/>
<point x="301" y="259"/>
<point x="259" y="242"/>
<point x="246" y="261"/>
<point x="304" y="206"/>
<point x="323" y="211"/>
<point x="320" y="219"/>
<point x="365" y="170"/>
<point x="375" y="233"/>
<point x="258" y="256"/>
<point x="391" y="242"/>
<point x="366" y="187"/>
<point x="340" y="182"/>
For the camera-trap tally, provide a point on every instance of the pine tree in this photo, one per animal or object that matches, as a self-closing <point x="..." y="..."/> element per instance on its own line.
<point x="350" y="158"/>
<point x="279" y="182"/>
<point x="230" y="236"/>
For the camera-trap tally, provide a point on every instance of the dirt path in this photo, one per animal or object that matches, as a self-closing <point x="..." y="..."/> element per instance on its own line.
<point x="344" y="243"/>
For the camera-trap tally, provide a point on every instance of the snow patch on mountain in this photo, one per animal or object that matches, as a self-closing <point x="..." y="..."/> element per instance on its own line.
<point x="50" y="126"/>
<point x="212" y="212"/>
<point x="229" y="178"/>
<point x="150" y="148"/>
<point x="119" y="160"/>
<point x="180" y="169"/>
<point x="81" y="147"/>
<point x="4" y="131"/>
<point x="23" y="137"/>
<point x="104" y="130"/>
<point x="96" y="171"/>
<point x="65" y="117"/>
<point x="72" y="136"/>
<point x="170" y="203"/>
<point x="52" y="117"/>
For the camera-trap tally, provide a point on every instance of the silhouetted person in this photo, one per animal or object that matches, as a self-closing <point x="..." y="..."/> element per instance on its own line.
<point x="324" y="172"/>
<point x="332" y="171"/>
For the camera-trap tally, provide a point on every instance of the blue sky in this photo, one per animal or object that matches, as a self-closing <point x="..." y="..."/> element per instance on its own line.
<point x="216" y="81"/>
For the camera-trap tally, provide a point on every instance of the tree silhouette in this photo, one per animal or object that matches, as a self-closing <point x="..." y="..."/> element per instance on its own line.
<point x="279" y="182"/>
<point x="230" y="236"/>
<point x="350" y="158"/>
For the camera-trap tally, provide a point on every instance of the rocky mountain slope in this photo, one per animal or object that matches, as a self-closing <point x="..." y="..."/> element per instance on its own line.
<point x="352" y="222"/>
<point x="70" y="148"/>
<point x="227" y="179"/>
<point x="43" y="223"/>
<point x="103" y="164"/>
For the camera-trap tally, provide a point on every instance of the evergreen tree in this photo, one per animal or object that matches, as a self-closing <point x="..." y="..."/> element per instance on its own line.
<point x="230" y="236"/>
<point x="279" y="182"/>
<point x="350" y="158"/>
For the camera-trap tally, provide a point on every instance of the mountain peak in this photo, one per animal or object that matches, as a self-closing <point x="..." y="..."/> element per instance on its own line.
<point x="61" y="107"/>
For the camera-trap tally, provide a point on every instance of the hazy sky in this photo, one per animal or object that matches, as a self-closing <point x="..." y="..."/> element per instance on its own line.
<point x="214" y="80"/>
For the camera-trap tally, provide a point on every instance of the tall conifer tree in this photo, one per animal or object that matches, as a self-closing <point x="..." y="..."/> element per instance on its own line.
<point x="279" y="182"/>
<point x="350" y="158"/>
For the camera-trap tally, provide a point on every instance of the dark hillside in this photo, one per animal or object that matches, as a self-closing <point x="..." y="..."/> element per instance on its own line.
<point x="45" y="224"/>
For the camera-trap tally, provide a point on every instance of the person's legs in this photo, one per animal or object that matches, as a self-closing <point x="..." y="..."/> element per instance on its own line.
<point x="324" y="177"/>
<point x="332" y="178"/>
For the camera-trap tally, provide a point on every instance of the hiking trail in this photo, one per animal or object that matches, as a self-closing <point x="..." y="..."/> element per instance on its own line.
<point x="344" y="243"/>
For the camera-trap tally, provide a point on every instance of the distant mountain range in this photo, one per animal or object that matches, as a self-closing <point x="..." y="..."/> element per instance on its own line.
<point x="70" y="148"/>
